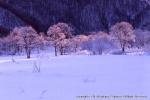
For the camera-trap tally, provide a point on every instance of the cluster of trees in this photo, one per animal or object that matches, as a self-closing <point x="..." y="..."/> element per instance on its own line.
<point x="21" y="39"/>
<point x="60" y="36"/>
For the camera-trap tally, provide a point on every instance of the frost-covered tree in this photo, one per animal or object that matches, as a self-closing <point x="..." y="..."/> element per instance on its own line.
<point x="97" y="43"/>
<point x="9" y="45"/>
<point x="57" y="33"/>
<point x="77" y="41"/>
<point x="43" y="41"/>
<point x="1" y="45"/>
<point x="142" y="39"/>
<point x="27" y="38"/>
<point x="101" y="42"/>
<point x="123" y="33"/>
<point x="4" y="46"/>
<point x="64" y="46"/>
<point x="12" y="43"/>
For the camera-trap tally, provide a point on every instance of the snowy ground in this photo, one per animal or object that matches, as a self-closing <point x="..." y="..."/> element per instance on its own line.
<point x="66" y="77"/>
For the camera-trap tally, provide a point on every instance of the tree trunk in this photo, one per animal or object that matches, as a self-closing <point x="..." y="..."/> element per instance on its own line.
<point x="28" y="52"/>
<point x="61" y="50"/>
<point x="123" y="49"/>
<point x="55" y="51"/>
<point x="28" y="56"/>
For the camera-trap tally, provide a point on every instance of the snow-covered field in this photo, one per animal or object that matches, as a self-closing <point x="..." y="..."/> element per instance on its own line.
<point x="66" y="77"/>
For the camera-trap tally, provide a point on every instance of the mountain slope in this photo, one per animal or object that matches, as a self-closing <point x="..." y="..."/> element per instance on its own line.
<point x="84" y="15"/>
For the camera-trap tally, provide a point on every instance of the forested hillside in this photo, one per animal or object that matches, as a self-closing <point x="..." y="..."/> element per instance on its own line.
<point x="84" y="15"/>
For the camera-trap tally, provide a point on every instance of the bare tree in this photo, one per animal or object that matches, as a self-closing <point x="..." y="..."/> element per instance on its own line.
<point x="36" y="67"/>
<point x="58" y="33"/>
<point x="123" y="33"/>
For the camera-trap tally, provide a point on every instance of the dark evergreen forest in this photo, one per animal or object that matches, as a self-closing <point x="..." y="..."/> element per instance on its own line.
<point x="84" y="15"/>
